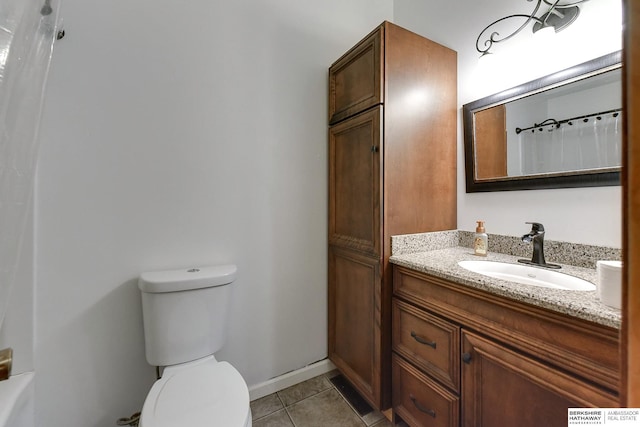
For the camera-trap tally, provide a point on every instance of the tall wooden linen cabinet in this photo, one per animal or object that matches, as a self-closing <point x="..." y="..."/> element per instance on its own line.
<point x="392" y="171"/>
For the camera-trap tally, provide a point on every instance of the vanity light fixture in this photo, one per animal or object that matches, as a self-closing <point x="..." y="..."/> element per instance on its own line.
<point x="558" y="17"/>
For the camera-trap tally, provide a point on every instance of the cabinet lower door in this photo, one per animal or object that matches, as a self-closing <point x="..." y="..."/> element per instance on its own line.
<point x="354" y="320"/>
<point x="501" y="387"/>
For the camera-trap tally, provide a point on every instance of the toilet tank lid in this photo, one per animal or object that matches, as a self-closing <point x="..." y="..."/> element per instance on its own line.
<point x="186" y="279"/>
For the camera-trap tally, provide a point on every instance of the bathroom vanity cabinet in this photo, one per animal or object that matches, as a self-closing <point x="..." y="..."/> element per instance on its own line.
<point x="465" y="357"/>
<point x="392" y="170"/>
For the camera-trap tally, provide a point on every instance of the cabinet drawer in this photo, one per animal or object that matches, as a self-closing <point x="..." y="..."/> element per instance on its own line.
<point x="431" y="343"/>
<point x="355" y="80"/>
<point x="419" y="400"/>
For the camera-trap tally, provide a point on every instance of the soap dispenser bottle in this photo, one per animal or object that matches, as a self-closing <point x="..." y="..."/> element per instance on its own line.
<point x="480" y="240"/>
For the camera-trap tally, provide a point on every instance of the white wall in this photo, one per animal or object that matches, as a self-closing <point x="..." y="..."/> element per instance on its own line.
<point x="17" y="330"/>
<point x="179" y="134"/>
<point x="588" y="215"/>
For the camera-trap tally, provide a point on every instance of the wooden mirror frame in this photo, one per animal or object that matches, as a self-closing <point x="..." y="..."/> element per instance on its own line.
<point x="630" y="334"/>
<point x="536" y="182"/>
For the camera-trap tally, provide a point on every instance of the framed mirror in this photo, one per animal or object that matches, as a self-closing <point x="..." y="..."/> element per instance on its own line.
<point x="562" y="130"/>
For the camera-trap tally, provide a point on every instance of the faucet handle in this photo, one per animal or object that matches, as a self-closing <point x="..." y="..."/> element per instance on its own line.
<point x="536" y="227"/>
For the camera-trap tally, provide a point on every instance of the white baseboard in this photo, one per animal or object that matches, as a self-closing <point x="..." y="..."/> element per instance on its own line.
<point x="290" y="378"/>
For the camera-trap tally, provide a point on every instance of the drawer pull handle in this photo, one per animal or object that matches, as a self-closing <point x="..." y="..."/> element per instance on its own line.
<point x="466" y="358"/>
<point x="421" y="340"/>
<point x="422" y="408"/>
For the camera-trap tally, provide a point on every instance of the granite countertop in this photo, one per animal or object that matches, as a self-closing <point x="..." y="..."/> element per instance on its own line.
<point x="443" y="263"/>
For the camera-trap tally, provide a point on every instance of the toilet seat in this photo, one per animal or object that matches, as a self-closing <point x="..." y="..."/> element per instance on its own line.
<point x="203" y="393"/>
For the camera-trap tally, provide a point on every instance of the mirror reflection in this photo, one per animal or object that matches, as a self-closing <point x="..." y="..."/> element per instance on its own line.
<point x="563" y="130"/>
<point x="570" y="128"/>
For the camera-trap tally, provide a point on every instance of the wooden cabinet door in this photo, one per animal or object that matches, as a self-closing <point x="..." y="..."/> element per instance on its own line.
<point x="503" y="388"/>
<point x="354" y="182"/>
<point x="354" y="320"/>
<point x="491" y="142"/>
<point x="355" y="80"/>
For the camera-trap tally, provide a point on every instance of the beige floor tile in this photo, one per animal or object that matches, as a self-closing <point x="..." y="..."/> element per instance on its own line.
<point x="277" y="419"/>
<point x="265" y="406"/>
<point x="386" y="423"/>
<point x="373" y="418"/>
<point x="303" y="390"/>
<point x="327" y="408"/>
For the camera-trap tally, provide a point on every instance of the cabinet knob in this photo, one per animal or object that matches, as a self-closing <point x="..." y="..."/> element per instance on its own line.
<point x="422" y="408"/>
<point x="374" y="149"/>
<point x="421" y="340"/>
<point x="466" y="357"/>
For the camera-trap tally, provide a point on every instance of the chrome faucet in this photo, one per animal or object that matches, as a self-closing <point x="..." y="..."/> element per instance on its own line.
<point x="536" y="235"/>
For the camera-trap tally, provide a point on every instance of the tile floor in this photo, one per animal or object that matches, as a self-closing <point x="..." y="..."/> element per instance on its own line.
<point x="312" y="403"/>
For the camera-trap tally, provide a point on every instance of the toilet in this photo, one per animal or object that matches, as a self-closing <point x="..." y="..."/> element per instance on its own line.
<point x="185" y="315"/>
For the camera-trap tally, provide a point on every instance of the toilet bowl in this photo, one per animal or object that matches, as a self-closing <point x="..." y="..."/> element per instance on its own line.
<point x="185" y="314"/>
<point x="200" y="393"/>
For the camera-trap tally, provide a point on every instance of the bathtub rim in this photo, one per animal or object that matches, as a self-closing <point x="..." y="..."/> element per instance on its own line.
<point x="16" y="394"/>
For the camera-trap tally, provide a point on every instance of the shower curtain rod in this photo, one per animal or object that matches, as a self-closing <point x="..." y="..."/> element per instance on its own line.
<point x="557" y="123"/>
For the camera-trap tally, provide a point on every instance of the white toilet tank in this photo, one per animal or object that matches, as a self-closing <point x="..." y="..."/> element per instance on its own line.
<point x="185" y="312"/>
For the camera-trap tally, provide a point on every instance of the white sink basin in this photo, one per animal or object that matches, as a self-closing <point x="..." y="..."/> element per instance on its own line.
<point x="527" y="275"/>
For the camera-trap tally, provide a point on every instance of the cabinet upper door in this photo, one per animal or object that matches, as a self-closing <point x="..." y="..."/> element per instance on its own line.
<point x="355" y="147"/>
<point x="355" y="80"/>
